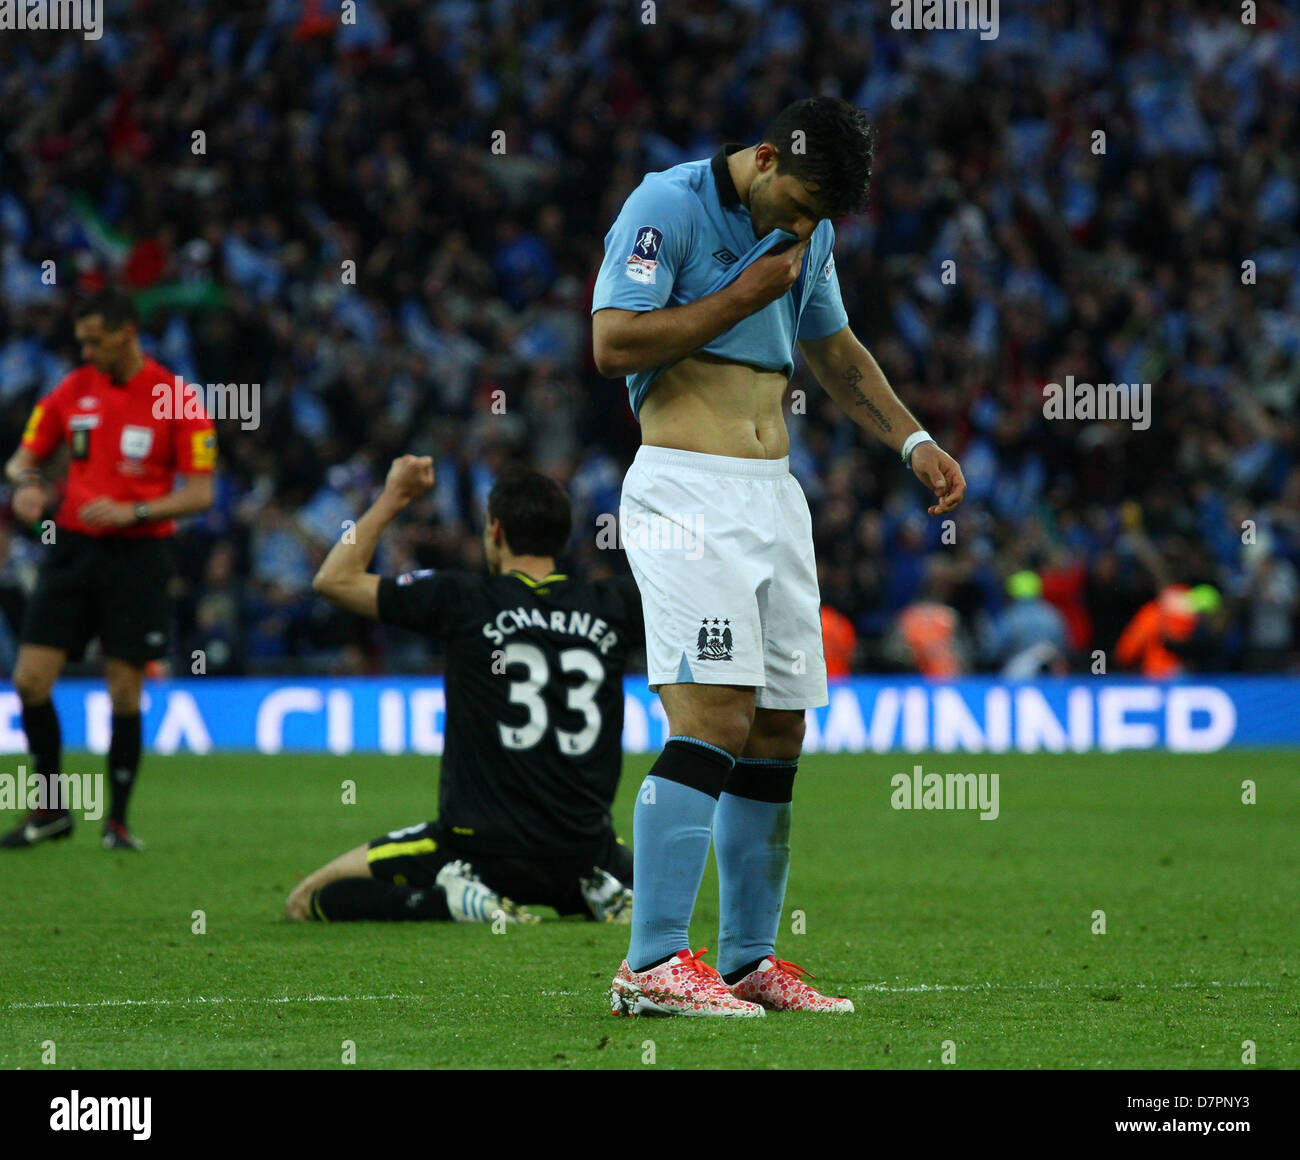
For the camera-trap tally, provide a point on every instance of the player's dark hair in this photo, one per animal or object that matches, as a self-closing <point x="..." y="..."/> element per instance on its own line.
<point x="534" y="512"/>
<point x="834" y="155"/>
<point x="115" y="307"/>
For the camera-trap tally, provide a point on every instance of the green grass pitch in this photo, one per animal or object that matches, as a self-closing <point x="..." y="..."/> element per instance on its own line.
<point x="960" y="941"/>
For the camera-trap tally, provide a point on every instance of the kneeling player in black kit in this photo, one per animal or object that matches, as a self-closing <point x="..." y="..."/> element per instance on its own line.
<point x="534" y="727"/>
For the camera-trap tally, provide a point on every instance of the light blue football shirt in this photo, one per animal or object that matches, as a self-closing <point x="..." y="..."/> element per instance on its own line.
<point x="684" y="234"/>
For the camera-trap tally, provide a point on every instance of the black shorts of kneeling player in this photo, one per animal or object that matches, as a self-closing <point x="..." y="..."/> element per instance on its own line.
<point x="413" y="857"/>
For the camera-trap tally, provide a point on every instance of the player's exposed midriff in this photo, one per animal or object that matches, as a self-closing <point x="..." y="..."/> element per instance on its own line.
<point x="717" y="407"/>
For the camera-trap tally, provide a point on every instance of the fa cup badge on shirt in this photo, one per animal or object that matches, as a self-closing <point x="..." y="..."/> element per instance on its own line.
<point x="714" y="642"/>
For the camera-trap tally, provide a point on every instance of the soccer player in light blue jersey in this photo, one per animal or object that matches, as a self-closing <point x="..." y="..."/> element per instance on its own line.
<point x="711" y="274"/>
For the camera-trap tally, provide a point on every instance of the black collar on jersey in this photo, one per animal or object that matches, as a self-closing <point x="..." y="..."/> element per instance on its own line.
<point x="551" y="579"/>
<point x="727" y="192"/>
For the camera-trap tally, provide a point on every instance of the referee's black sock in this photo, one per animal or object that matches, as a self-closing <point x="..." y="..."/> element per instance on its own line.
<point x="370" y="899"/>
<point x="123" y="762"/>
<point x="45" y="741"/>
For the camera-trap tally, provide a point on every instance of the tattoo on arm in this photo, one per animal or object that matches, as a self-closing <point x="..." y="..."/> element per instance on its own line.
<point x="852" y="377"/>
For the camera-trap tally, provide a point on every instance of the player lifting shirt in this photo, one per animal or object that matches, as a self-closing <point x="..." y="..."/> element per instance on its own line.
<point x="534" y="721"/>
<point x="713" y="272"/>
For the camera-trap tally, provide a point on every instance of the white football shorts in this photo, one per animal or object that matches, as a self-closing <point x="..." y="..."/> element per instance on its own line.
<point x="722" y="552"/>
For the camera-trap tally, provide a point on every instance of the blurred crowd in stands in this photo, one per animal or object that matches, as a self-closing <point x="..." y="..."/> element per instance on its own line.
<point x="392" y="228"/>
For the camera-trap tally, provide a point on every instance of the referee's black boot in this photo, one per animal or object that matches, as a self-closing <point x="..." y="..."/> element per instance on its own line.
<point x="40" y="826"/>
<point x="118" y="837"/>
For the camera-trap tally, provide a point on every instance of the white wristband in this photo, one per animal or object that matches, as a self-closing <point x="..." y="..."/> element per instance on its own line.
<point x="912" y="442"/>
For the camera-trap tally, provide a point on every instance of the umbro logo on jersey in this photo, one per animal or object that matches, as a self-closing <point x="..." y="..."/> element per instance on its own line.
<point x="726" y="257"/>
<point x="713" y="642"/>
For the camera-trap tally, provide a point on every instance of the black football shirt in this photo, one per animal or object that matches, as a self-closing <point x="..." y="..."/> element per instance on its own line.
<point x="533" y="743"/>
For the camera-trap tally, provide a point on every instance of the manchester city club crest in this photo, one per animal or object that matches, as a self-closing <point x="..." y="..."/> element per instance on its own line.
<point x="714" y="640"/>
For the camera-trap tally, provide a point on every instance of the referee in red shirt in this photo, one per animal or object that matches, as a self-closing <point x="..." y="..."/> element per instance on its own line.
<point x="107" y="571"/>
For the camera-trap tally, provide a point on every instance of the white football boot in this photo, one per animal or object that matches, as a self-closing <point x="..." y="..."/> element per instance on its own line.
<point x="469" y="900"/>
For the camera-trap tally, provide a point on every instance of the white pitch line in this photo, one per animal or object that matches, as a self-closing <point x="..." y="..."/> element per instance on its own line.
<point x="61" y="1005"/>
<point x="921" y="988"/>
<point x="885" y="988"/>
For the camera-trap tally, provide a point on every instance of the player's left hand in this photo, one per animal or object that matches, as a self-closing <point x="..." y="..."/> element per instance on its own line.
<point x="940" y="472"/>
<point x="107" y="513"/>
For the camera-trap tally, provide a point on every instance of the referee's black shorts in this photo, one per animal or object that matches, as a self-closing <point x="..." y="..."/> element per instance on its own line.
<point x="413" y="857"/>
<point x="111" y="587"/>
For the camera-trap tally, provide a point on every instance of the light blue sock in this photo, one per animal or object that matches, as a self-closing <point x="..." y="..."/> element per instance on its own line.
<point x="751" y="843"/>
<point x="671" y="829"/>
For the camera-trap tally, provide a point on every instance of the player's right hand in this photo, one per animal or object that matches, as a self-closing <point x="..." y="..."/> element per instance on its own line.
<point x="29" y="503"/>
<point x="767" y="278"/>
<point x="409" y="477"/>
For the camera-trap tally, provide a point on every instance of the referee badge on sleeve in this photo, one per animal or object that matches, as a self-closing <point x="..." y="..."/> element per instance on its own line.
<point x="203" y="450"/>
<point x="33" y="423"/>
